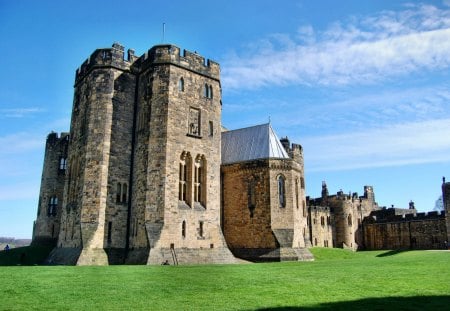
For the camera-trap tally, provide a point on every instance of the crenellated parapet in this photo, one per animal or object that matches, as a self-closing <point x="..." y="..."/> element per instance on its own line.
<point x="171" y="54"/>
<point x="391" y="215"/>
<point x="108" y="57"/>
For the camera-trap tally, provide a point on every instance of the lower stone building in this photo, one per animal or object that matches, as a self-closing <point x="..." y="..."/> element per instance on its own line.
<point x="393" y="228"/>
<point x="263" y="195"/>
<point x="358" y="223"/>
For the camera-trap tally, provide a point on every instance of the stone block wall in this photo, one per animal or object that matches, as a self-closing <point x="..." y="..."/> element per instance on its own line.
<point x="410" y="232"/>
<point x="247" y="219"/>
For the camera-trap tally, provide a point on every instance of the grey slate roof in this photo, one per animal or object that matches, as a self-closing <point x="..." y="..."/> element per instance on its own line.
<point x="251" y="143"/>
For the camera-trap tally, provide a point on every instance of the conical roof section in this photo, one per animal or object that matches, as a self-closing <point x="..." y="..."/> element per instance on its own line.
<point x="251" y="143"/>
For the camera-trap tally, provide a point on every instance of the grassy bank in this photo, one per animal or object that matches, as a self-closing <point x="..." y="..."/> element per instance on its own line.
<point x="337" y="280"/>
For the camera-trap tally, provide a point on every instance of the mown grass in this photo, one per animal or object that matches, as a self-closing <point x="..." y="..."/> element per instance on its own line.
<point x="337" y="280"/>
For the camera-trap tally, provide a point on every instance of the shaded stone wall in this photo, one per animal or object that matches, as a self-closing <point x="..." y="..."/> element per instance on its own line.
<point x="47" y="225"/>
<point x="423" y="231"/>
<point x="247" y="220"/>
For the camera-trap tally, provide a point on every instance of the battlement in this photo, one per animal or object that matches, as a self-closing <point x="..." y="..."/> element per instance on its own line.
<point x="106" y="57"/>
<point x="401" y="215"/>
<point x="318" y="208"/>
<point x="168" y="53"/>
<point x="54" y="138"/>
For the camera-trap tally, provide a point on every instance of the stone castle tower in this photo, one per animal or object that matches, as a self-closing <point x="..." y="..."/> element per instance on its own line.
<point x="143" y="179"/>
<point x="47" y="225"/>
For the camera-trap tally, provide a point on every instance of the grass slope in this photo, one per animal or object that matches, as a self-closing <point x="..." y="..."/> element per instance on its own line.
<point x="337" y="280"/>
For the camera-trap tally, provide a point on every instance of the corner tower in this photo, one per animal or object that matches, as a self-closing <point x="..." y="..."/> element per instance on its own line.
<point x="47" y="225"/>
<point x="95" y="213"/>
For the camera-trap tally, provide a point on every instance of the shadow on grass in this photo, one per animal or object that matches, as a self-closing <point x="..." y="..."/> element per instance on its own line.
<point x="393" y="252"/>
<point x="25" y="256"/>
<point x="385" y="303"/>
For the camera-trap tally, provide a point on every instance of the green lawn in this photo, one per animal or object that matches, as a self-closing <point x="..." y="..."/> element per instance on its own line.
<point x="337" y="280"/>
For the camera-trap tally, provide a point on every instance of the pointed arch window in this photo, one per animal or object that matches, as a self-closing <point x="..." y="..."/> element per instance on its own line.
<point x="200" y="180"/>
<point x="184" y="188"/>
<point x="281" y="191"/>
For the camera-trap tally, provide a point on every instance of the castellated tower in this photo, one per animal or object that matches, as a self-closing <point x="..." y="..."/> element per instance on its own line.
<point x="175" y="210"/>
<point x="94" y="218"/>
<point x="47" y="225"/>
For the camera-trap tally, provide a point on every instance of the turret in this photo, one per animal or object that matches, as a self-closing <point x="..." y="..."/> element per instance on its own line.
<point x="47" y="223"/>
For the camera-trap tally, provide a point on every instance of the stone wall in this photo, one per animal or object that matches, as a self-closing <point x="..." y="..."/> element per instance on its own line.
<point x="421" y="231"/>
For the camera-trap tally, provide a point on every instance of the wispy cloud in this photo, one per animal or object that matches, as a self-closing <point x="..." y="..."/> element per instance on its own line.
<point x="18" y="112"/>
<point x="20" y="143"/>
<point x="370" y="110"/>
<point x="365" y="49"/>
<point x="402" y="144"/>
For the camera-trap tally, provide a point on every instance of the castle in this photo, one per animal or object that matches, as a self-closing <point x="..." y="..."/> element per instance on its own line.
<point x="148" y="174"/>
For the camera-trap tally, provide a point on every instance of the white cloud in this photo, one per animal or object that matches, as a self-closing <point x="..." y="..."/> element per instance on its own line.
<point x="18" y="112"/>
<point x="402" y="144"/>
<point x="365" y="50"/>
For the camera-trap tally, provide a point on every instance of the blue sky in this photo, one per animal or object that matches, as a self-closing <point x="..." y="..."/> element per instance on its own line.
<point x="364" y="86"/>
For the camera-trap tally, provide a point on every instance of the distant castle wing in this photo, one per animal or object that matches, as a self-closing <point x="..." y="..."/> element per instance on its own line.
<point x="251" y="143"/>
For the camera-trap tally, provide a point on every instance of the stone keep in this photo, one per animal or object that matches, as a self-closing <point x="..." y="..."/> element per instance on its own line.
<point x="143" y="178"/>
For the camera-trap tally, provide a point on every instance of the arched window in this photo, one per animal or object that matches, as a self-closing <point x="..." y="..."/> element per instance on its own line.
<point x="124" y="193"/>
<point x="200" y="180"/>
<point x="251" y="204"/>
<point x="184" y="189"/>
<point x="63" y="164"/>
<point x="349" y="219"/>
<point x="181" y="85"/>
<point x="281" y="191"/>
<point x="183" y="229"/>
<point x="118" y="192"/>
<point x="200" y="229"/>
<point x="121" y="193"/>
<point x="206" y="91"/>
<point x="211" y="128"/>
<point x="52" y="205"/>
